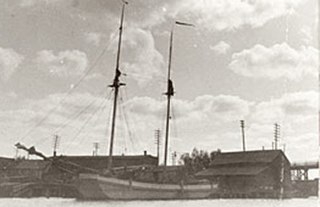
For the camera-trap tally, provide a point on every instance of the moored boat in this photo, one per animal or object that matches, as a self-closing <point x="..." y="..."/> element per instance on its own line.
<point x="96" y="187"/>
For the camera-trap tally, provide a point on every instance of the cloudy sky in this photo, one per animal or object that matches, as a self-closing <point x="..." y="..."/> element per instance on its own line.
<point x="255" y="60"/>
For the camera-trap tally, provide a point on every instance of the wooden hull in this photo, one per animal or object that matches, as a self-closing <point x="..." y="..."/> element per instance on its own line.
<point x="95" y="187"/>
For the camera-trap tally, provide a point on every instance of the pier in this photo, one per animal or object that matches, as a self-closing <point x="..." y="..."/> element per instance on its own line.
<point x="300" y="170"/>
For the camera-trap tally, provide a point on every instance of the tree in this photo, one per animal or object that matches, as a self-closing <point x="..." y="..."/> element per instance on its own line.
<point x="199" y="160"/>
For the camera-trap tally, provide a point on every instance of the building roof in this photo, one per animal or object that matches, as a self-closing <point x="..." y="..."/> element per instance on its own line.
<point x="90" y="157"/>
<point x="31" y="164"/>
<point x="236" y="170"/>
<point x="261" y="157"/>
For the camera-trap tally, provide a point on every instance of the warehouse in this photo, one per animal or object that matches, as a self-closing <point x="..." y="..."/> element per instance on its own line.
<point x="250" y="174"/>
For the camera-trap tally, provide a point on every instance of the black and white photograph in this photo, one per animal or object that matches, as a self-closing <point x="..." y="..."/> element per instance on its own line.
<point x="130" y="103"/>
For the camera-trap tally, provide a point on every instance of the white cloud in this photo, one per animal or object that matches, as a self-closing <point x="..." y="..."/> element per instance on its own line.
<point x="64" y="64"/>
<point x="9" y="62"/>
<point x="306" y="34"/>
<point x="220" y="48"/>
<point x="231" y="14"/>
<point x="278" y="61"/>
<point x="70" y="113"/>
<point x="141" y="60"/>
<point x="93" y="38"/>
<point x="292" y="107"/>
<point x="213" y="14"/>
<point x="208" y="122"/>
<point x="28" y="3"/>
<point x="222" y="107"/>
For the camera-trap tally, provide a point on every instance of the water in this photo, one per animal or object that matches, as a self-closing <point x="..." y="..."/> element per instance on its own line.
<point x="55" y="202"/>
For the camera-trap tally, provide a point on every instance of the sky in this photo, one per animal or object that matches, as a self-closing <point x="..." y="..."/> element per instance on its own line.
<point x="246" y="60"/>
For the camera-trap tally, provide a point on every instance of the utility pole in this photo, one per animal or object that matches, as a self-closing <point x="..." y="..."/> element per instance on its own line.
<point x="276" y="135"/>
<point x="243" y="135"/>
<point x="55" y="144"/>
<point x="157" y="142"/>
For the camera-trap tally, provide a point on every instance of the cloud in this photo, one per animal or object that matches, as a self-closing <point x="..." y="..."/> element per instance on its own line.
<point x="141" y="60"/>
<point x="213" y="14"/>
<point x="306" y="34"/>
<point x="93" y="38"/>
<point x="278" y="61"/>
<point x="232" y="14"/>
<point x="64" y="64"/>
<point x="293" y="107"/>
<point x="29" y="3"/>
<point x="208" y="122"/>
<point x="66" y="120"/>
<point x="9" y="62"/>
<point x="223" y="107"/>
<point x="209" y="14"/>
<point x="220" y="48"/>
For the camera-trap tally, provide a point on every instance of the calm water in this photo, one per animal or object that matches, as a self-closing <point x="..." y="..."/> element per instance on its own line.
<point x="53" y="202"/>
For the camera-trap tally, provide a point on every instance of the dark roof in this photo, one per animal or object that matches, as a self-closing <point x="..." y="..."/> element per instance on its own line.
<point x="261" y="157"/>
<point x="31" y="164"/>
<point x="237" y="170"/>
<point x="106" y="157"/>
<point x="6" y="158"/>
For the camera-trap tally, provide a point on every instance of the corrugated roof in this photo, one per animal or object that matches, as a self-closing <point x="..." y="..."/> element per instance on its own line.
<point x="225" y="171"/>
<point x="261" y="156"/>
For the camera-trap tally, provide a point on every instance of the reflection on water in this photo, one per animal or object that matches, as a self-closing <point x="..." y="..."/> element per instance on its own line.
<point x="56" y="202"/>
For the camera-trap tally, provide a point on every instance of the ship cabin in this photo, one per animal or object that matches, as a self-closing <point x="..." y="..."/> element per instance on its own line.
<point x="250" y="174"/>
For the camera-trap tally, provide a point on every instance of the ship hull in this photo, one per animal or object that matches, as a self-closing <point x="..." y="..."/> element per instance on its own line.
<point x="95" y="187"/>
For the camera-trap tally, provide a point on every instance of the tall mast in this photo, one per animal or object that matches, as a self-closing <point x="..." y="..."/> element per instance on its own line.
<point x="170" y="90"/>
<point x="116" y="85"/>
<point x="169" y="93"/>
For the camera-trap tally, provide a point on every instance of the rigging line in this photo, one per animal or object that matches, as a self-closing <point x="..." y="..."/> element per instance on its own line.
<point x="45" y="139"/>
<point x="96" y="121"/>
<point x="86" y="122"/>
<point x="131" y="134"/>
<point x="65" y="124"/>
<point x="66" y="95"/>
<point x="120" y="120"/>
<point x="126" y="121"/>
<point x="175" y="129"/>
<point x="109" y="115"/>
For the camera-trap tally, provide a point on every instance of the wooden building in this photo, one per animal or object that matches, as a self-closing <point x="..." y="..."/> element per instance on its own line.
<point x="250" y="174"/>
<point x="101" y="162"/>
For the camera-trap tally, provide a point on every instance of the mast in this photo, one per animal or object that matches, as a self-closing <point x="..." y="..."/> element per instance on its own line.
<point x="169" y="93"/>
<point x="116" y="85"/>
<point x="170" y="90"/>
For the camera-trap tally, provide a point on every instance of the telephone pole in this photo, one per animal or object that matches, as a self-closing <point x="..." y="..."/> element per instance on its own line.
<point x="276" y="135"/>
<point x="56" y="139"/>
<point x="243" y="135"/>
<point x="157" y="142"/>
